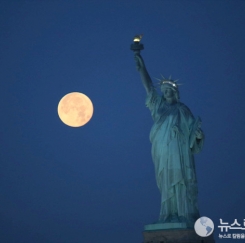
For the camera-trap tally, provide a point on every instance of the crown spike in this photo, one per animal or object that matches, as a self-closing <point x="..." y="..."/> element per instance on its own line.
<point x="158" y="79"/>
<point x="162" y="76"/>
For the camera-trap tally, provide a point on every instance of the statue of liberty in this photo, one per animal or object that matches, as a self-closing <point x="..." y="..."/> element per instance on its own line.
<point x="175" y="136"/>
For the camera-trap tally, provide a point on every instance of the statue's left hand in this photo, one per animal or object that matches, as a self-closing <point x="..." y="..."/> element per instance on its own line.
<point x="199" y="133"/>
<point x="177" y="130"/>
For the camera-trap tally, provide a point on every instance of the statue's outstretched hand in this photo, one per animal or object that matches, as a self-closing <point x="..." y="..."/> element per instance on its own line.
<point x="139" y="62"/>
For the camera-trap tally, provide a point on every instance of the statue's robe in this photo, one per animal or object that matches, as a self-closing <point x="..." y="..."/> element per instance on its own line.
<point x="173" y="157"/>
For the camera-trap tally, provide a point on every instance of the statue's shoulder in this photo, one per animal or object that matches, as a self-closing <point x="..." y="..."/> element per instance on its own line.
<point x="183" y="107"/>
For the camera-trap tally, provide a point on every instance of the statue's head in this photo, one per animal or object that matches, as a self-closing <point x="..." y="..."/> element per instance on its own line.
<point x="169" y="89"/>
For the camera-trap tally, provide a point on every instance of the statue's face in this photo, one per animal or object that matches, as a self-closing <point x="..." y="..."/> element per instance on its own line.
<point x="167" y="92"/>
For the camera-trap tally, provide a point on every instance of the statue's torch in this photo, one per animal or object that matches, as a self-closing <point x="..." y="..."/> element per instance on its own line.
<point x="136" y="47"/>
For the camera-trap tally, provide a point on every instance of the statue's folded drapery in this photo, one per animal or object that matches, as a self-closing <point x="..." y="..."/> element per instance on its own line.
<point x="172" y="154"/>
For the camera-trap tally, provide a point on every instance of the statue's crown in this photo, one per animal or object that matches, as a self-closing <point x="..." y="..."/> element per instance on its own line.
<point x="169" y="81"/>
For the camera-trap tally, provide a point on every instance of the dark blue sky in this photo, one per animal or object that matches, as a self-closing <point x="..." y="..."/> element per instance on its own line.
<point x="96" y="183"/>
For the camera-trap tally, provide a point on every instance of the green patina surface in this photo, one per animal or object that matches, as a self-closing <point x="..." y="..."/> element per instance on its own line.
<point x="175" y="136"/>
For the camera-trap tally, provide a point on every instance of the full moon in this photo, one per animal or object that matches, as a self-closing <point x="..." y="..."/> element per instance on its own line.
<point x="75" y="109"/>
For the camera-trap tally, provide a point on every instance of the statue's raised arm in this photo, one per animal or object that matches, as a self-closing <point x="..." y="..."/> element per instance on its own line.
<point x="145" y="77"/>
